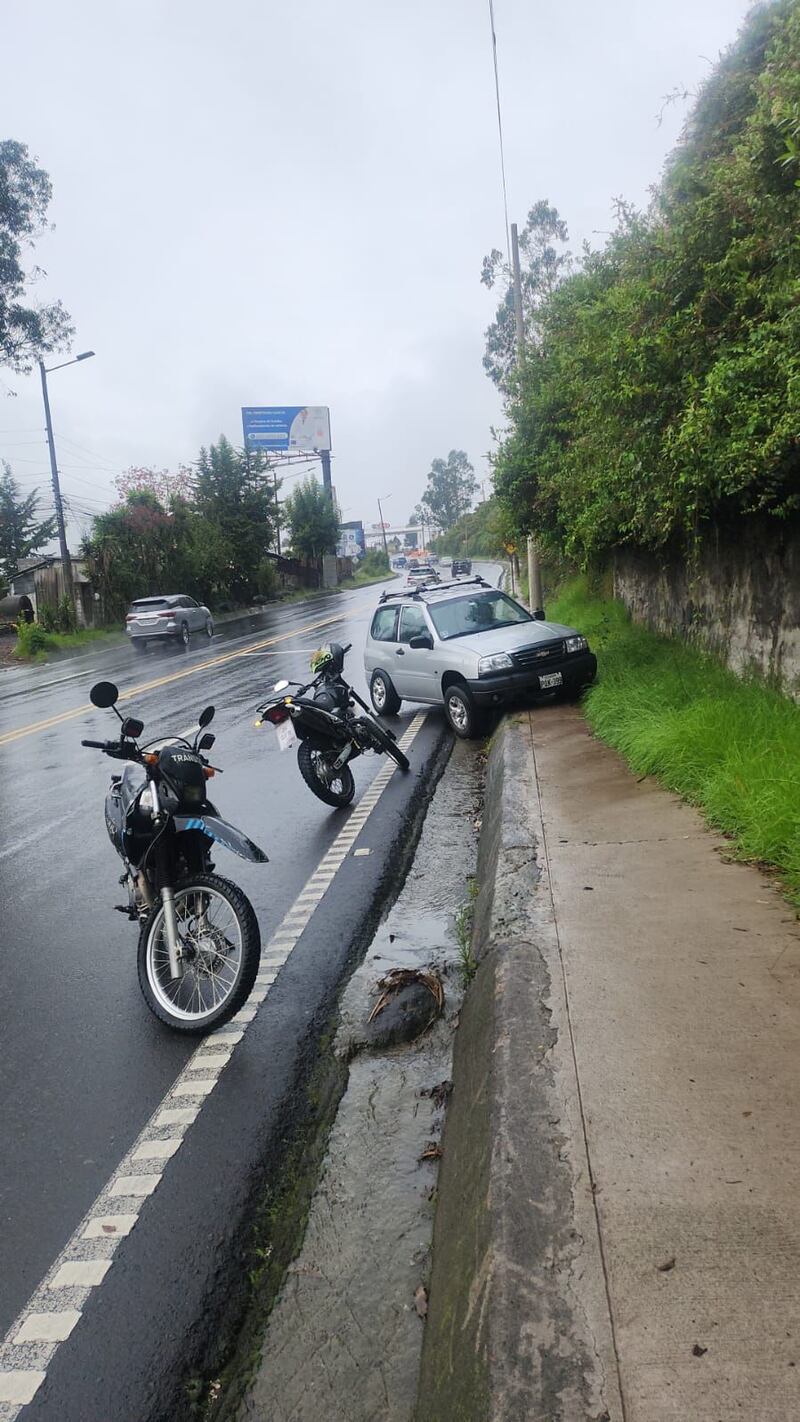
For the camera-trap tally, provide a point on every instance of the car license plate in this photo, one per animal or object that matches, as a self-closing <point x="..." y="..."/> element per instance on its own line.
<point x="287" y="735"/>
<point x="550" y="679"/>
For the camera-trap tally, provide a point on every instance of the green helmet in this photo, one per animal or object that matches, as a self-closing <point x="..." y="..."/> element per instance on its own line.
<point x="321" y="658"/>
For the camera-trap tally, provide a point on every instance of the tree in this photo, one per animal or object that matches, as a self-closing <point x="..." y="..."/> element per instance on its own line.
<point x="312" y="520"/>
<point x="164" y="484"/>
<point x="450" y="490"/>
<point x="662" y="398"/>
<point x="543" y="267"/>
<point x="21" y="532"/>
<point x="26" y="331"/>
<point x="234" y="495"/>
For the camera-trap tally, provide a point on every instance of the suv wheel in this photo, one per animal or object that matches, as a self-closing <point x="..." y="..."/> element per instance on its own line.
<point x="385" y="701"/>
<point x="209" y="628"/>
<point x="186" y="635"/>
<point x="462" y="713"/>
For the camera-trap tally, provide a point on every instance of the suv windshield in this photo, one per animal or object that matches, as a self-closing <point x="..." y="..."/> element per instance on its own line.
<point x="480" y="612"/>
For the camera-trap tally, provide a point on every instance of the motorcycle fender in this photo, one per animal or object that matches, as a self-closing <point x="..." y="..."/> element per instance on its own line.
<point x="223" y="833"/>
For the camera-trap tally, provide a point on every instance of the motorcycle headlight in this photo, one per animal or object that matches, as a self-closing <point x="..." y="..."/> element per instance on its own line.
<point x="501" y="661"/>
<point x="576" y="644"/>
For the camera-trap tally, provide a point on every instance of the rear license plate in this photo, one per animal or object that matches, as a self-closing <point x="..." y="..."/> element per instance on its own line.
<point x="286" y="733"/>
<point x="550" y="679"/>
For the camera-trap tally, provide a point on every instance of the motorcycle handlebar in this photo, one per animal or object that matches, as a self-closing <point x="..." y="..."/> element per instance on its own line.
<point x="119" y="750"/>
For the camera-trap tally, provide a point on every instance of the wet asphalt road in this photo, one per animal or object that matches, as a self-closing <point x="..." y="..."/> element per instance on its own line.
<point x="83" y="1062"/>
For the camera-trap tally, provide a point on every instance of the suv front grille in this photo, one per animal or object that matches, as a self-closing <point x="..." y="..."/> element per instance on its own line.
<point x="529" y="657"/>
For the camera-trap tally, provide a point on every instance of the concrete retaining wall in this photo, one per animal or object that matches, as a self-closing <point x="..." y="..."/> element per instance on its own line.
<point x="518" y="1324"/>
<point x="741" y="598"/>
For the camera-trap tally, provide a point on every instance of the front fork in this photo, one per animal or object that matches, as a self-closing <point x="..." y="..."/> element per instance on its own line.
<point x="171" y="932"/>
<point x="174" y="952"/>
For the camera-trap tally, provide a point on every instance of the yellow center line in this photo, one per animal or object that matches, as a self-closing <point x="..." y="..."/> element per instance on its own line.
<point x="8" y="736"/>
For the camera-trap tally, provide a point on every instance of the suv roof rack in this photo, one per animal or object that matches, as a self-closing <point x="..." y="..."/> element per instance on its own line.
<point x="415" y="594"/>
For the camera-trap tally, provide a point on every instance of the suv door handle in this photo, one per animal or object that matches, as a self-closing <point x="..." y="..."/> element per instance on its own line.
<point x="400" y="652"/>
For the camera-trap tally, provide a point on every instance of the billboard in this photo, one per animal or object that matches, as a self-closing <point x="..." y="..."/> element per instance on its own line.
<point x="283" y="427"/>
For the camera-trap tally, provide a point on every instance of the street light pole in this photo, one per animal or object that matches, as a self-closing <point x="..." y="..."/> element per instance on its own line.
<point x="66" y="565"/>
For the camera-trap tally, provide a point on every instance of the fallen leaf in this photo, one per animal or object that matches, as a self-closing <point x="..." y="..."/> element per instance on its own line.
<point x="666" y="1266"/>
<point x="432" y="1151"/>
<point x="421" y="1301"/>
<point x="698" y="1351"/>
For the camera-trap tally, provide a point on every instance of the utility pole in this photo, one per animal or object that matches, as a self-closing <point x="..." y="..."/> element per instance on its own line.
<point x="535" y="595"/>
<point x="383" y="530"/>
<point x="66" y="564"/>
<point x="277" y="511"/>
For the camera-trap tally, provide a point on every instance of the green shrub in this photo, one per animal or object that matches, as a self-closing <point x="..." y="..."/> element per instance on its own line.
<point x="267" y="578"/>
<point x="374" y="564"/>
<point x="32" y="639"/>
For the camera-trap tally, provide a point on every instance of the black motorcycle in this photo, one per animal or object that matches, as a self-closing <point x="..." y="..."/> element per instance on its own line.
<point x="322" y="715"/>
<point x="199" y="943"/>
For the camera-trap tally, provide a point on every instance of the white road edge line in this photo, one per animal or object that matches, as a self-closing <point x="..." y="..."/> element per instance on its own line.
<point x="37" y="1332"/>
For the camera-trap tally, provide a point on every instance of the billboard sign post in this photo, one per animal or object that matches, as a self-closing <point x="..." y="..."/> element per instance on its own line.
<point x="286" y="428"/>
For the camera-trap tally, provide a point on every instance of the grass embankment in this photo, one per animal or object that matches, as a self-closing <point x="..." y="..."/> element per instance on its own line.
<point x="729" y="746"/>
<point x="35" y="645"/>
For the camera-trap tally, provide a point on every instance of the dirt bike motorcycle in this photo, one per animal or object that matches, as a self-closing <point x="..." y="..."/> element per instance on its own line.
<point x="322" y="717"/>
<point x="199" y="942"/>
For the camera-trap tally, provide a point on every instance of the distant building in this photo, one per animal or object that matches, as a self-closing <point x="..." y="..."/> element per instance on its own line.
<point x="351" y="543"/>
<point x="42" y="580"/>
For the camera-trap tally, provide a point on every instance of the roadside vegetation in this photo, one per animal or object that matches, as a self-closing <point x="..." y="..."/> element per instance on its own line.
<point x="34" y="642"/>
<point x="374" y="567"/>
<point x="728" y="745"/>
<point x="660" y="393"/>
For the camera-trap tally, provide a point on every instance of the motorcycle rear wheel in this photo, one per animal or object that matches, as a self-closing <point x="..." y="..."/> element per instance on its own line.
<point x="336" y="788"/>
<point x="222" y="949"/>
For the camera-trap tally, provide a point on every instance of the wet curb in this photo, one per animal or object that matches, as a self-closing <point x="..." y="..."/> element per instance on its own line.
<point x="518" y="1323"/>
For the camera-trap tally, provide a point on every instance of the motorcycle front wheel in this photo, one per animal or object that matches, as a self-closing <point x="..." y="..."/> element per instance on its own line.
<point x="333" y="787"/>
<point x="221" y="948"/>
<point x="388" y="743"/>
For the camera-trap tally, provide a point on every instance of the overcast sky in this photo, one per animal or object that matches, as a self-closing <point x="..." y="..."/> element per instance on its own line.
<point x="267" y="203"/>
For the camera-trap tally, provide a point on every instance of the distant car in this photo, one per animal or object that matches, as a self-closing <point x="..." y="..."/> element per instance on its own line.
<point x="469" y="648"/>
<point x="401" y="562"/>
<point x="175" y="616"/>
<point x="420" y="573"/>
<point x="461" y="568"/>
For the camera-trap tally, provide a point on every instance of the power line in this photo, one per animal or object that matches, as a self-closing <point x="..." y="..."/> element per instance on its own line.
<point x="500" y="129"/>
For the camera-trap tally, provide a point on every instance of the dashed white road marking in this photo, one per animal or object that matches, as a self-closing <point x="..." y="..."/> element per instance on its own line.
<point x="48" y="1327"/>
<point x="84" y="1273"/>
<point x="35" y="1335"/>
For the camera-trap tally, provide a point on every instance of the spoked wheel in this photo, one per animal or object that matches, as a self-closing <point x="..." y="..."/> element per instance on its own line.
<point x="220" y="946"/>
<point x="388" y="743"/>
<point x="334" y="787"/>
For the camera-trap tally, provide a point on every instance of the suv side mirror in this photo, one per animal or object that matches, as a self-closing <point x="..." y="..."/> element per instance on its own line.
<point x="423" y="642"/>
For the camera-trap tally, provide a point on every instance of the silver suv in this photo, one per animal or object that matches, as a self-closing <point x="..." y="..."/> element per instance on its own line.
<point x="470" y="647"/>
<point x="150" y="619"/>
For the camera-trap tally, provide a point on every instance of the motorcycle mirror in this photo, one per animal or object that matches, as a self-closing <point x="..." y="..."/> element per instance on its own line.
<point x="206" y="716"/>
<point x="104" y="693"/>
<point x="132" y="728"/>
<point x="280" y="686"/>
<point x="206" y="742"/>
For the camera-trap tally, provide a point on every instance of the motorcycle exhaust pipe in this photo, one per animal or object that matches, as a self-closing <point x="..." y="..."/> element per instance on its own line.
<point x="171" y="926"/>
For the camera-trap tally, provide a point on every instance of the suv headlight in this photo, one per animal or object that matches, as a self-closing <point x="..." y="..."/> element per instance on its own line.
<point x="576" y="644"/>
<point x="501" y="661"/>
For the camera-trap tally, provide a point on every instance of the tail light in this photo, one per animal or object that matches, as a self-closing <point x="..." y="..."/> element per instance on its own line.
<point x="276" y="714"/>
<point x="171" y="613"/>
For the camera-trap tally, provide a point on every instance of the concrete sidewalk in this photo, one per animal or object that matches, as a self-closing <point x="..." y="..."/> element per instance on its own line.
<point x="665" y="1280"/>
